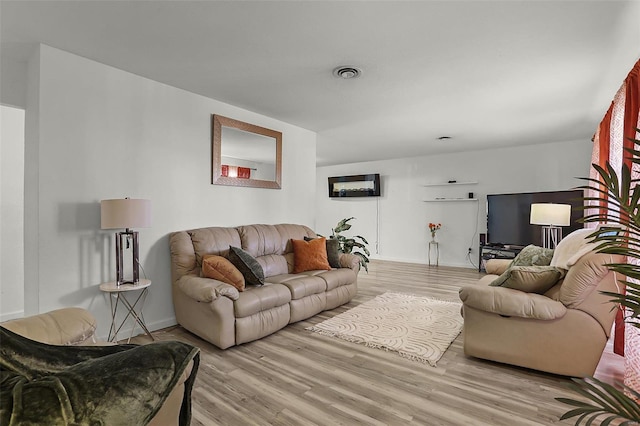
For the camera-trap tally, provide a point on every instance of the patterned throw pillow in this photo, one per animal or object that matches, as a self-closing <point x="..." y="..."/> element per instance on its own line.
<point x="247" y="265"/>
<point x="221" y="269"/>
<point x="533" y="256"/>
<point x="310" y="255"/>
<point x="529" y="256"/>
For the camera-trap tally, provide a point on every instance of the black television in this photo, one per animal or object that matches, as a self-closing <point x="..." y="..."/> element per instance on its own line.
<point x="508" y="216"/>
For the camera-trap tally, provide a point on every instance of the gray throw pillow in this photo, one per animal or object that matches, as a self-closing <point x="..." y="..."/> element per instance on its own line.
<point x="333" y="251"/>
<point x="529" y="256"/>
<point x="249" y="267"/>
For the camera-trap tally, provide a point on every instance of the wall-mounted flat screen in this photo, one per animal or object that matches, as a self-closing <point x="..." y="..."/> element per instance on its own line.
<point x="508" y="216"/>
<point x="355" y="186"/>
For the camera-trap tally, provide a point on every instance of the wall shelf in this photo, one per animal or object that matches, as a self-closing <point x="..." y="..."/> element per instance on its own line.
<point x="441" y="200"/>
<point x="452" y="183"/>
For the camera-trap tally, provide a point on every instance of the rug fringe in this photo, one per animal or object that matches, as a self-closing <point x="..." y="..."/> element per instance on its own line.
<point x="437" y="299"/>
<point x="352" y="339"/>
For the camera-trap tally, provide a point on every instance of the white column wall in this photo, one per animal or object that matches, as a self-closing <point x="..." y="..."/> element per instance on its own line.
<point x="105" y="133"/>
<point x="395" y="224"/>
<point x="11" y="213"/>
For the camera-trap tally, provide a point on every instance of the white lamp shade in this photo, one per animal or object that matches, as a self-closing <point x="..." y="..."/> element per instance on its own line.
<point x="125" y="213"/>
<point x="550" y="214"/>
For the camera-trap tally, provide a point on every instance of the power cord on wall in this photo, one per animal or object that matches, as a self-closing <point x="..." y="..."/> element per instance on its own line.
<point x="141" y="267"/>
<point x="378" y="225"/>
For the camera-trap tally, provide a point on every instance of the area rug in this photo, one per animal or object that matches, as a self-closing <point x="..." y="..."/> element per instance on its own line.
<point x="416" y="327"/>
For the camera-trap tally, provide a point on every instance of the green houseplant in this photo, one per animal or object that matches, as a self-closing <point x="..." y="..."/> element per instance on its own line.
<point x="620" y="198"/>
<point x="355" y="245"/>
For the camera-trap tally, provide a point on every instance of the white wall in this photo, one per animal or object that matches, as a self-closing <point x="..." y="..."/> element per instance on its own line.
<point x="11" y="213"/>
<point x="395" y="224"/>
<point x="104" y="133"/>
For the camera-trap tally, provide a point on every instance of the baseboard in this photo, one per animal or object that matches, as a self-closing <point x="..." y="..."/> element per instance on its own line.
<point x="11" y="315"/>
<point x="125" y="332"/>
<point x="424" y="262"/>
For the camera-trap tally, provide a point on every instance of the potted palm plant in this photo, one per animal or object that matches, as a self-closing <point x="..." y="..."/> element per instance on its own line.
<point x="620" y="198"/>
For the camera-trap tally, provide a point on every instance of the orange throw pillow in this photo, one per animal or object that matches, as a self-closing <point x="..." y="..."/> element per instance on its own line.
<point x="310" y="255"/>
<point x="219" y="268"/>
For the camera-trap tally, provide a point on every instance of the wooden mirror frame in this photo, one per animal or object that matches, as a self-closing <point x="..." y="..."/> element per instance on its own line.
<point x="218" y="122"/>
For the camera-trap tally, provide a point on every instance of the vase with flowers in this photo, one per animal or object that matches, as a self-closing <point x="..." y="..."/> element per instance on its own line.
<point x="433" y="227"/>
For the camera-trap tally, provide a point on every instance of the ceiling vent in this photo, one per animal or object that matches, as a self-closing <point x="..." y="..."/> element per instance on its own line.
<point x="347" y="72"/>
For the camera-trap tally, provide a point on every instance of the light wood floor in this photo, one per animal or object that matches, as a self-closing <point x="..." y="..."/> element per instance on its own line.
<point x="296" y="377"/>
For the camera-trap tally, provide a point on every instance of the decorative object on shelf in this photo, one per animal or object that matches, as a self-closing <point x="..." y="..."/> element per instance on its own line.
<point x="452" y="183"/>
<point x="125" y="214"/>
<point x="552" y="217"/>
<point x="433" y="227"/>
<point x="348" y="244"/>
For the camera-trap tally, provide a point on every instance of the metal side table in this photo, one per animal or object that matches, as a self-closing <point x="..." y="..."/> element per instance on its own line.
<point x="118" y="296"/>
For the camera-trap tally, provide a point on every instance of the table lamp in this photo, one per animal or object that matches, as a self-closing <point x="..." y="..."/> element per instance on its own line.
<point x="551" y="217"/>
<point x="125" y="214"/>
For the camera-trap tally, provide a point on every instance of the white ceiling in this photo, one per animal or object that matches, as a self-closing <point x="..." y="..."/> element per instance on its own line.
<point x="487" y="73"/>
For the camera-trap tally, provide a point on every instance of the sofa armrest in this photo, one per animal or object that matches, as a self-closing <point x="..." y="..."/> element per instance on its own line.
<point x="497" y="266"/>
<point x="206" y="290"/>
<point x="511" y="303"/>
<point x="351" y="261"/>
<point x="67" y="326"/>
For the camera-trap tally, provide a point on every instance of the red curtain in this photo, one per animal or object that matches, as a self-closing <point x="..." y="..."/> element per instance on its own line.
<point x="625" y="110"/>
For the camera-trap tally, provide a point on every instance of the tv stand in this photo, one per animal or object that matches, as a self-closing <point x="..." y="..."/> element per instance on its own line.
<point x="487" y="252"/>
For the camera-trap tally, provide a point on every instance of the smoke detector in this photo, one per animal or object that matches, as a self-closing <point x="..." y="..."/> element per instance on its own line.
<point x="347" y="72"/>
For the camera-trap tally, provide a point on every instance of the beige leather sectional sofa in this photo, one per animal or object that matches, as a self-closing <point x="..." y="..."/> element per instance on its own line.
<point x="224" y="316"/>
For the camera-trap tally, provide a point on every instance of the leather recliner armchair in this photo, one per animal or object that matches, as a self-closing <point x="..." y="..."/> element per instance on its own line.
<point x="563" y="331"/>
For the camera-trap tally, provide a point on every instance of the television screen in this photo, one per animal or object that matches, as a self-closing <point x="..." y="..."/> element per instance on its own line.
<point x="508" y="216"/>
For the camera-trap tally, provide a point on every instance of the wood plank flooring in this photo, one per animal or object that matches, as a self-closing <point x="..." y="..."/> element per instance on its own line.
<point x="296" y="377"/>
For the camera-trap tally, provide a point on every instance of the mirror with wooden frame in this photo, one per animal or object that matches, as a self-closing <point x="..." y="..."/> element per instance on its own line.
<point x="244" y="154"/>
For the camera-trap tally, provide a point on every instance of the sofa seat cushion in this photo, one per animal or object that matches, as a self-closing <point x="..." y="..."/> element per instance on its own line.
<point x="258" y="299"/>
<point x="338" y="277"/>
<point x="301" y="285"/>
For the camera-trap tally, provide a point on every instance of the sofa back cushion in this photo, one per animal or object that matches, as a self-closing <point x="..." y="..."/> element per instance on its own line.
<point x="583" y="284"/>
<point x="271" y="245"/>
<point x="214" y="240"/>
<point x="583" y="278"/>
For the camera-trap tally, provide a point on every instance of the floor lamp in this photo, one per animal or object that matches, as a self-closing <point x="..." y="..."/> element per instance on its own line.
<point x="552" y="217"/>
<point x="125" y="214"/>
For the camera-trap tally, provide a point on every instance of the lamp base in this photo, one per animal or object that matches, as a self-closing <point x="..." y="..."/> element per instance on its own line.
<point x="122" y="238"/>
<point x="551" y="236"/>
